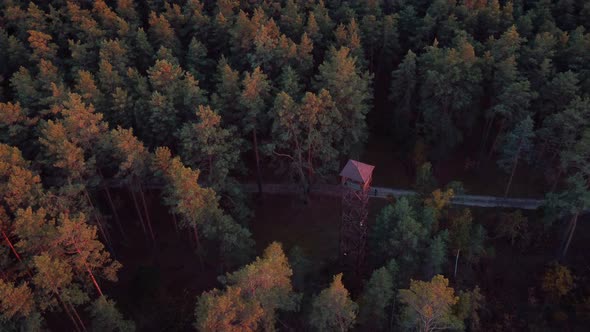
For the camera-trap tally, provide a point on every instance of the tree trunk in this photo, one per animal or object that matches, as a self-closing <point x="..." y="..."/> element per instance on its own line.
<point x="457" y="262"/>
<point x="78" y="317"/>
<point x="90" y="272"/>
<point x="486" y="134"/>
<point x="392" y="316"/>
<point x="258" y="171"/>
<point x="137" y="210"/>
<point x="98" y="222"/>
<point x="512" y="173"/>
<point x="210" y="175"/>
<point x="69" y="313"/>
<point x="115" y="213"/>
<point x="557" y="178"/>
<point x="310" y="167"/>
<point x="78" y="324"/>
<point x="571" y="234"/>
<point x="16" y="254"/>
<point x="493" y="147"/>
<point x="196" y="233"/>
<point x="147" y="215"/>
<point x="175" y="222"/>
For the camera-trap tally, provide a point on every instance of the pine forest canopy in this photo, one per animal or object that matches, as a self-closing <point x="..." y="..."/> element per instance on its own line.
<point x="99" y="100"/>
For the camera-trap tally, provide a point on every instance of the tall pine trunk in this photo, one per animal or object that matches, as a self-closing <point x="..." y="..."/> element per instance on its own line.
<point x="139" y="215"/>
<point x="147" y="215"/>
<point x="457" y="262"/>
<point x="110" y="199"/>
<point x="258" y="171"/>
<point x="486" y="134"/>
<point x="198" y="243"/>
<point x="78" y="317"/>
<point x="98" y="221"/>
<point x="516" y="157"/>
<point x="573" y="222"/>
<point x="89" y="272"/>
<point x="496" y="139"/>
<point x="7" y="239"/>
<point x="175" y="222"/>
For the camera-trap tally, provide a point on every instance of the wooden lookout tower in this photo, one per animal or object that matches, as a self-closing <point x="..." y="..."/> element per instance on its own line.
<point x="356" y="184"/>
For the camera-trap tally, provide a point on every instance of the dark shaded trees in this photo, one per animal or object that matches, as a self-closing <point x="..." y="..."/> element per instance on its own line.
<point x="332" y="308"/>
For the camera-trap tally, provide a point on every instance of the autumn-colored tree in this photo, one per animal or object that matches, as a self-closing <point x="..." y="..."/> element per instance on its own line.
<point x="254" y="295"/>
<point x="557" y="281"/>
<point x="70" y="148"/>
<point x="133" y="160"/>
<point x="198" y="208"/>
<point x="428" y="305"/>
<point x="42" y="46"/>
<point x="227" y="311"/>
<point x="161" y="33"/>
<point x="332" y="309"/>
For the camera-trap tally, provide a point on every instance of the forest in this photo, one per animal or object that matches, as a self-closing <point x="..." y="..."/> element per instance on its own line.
<point x="173" y="165"/>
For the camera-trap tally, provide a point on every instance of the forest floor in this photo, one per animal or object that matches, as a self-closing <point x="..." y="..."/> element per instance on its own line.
<point x="159" y="282"/>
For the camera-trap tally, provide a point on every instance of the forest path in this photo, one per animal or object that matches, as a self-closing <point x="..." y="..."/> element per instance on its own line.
<point x="382" y="192"/>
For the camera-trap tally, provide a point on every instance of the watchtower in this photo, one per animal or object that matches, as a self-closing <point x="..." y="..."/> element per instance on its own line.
<point x="356" y="184"/>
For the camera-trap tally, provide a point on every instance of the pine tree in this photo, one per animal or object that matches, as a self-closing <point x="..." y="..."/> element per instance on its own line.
<point x="350" y="89"/>
<point x="227" y="91"/>
<point x="403" y="95"/>
<point x="429" y="305"/>
<point x="569" y="202"/>
<point x="290" y="82"/>
<point x="447" y="96"/>
<point x="227" y="311"/>
<point x="106" y="317"/>
<point x="197" y="62"/>
<point x="333" y="309"/>
<point x="252" y="297"/>
<point x="87" y="89"/>
<point x="306" y="135"/>
<point x="437" y="255"/>
<point x="143" y="51"/>
<point x="397" y="233"/>
<point x="268" y="282"/>
<point x="208" y="146"/>
<point x="253" y="100"/>
<point x="133" y="160"/>
<point x="16" y="301"/>
<point x="375" y="299"/>
<point x="162" y="34"/>
<point x="42" y="46"/>
<point x="198" y="208"/>
<point x="517" y="146"/>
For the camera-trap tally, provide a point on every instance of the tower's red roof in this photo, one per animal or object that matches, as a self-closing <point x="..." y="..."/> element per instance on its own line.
<point x="357" y="171"/>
